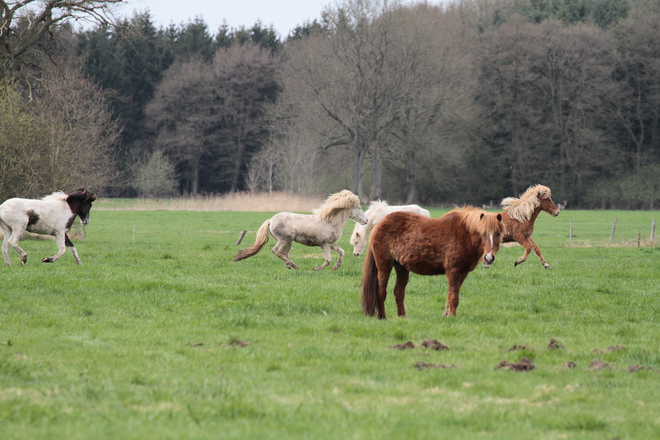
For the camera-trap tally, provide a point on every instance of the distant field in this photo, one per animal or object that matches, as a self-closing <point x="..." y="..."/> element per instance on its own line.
<point x="161" y="336"/>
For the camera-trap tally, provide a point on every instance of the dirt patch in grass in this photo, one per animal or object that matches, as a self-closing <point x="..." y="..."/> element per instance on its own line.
<point x="610" y="349"/>
<point x="636" y="368"/>
<point x="434" y="345"/>
<point x="554" y="344"/>
<point x="423" y="365"/>
<point x="520" y="347"/>
<point x="524" y="364"/>
<point x="405" y="346"/>
<point x="597" y="364"/>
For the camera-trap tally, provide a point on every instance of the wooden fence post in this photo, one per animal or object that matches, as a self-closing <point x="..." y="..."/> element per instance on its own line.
<point x="653" y="230"/>
<point x="241" y="237"/>
<point x="613" y="230"/>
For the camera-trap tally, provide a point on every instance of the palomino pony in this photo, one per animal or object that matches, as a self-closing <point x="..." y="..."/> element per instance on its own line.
<point x="52" y="215"/>
<point x="323" y="229"/>
<point x="450" y="245"/>
<point x="376" y="212"/>
<point x="520" y="215"/>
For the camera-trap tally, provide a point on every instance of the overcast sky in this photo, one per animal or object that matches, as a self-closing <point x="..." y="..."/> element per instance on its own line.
<point x="284" y="15"/>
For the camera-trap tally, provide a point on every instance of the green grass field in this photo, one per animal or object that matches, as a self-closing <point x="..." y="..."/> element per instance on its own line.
<point x="161" y="336"/>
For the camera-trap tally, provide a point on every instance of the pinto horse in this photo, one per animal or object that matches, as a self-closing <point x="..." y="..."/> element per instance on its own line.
<point x="376" y="212"/>
<point x="520" y="215"/>
<point x="407" y="242"/>
<point x="52" y="215"/>
<point x="323" y="229"/>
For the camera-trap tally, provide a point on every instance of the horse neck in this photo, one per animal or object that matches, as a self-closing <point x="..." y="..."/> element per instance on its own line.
<point x="535" y="214"/>
<point x="339" y="219"/>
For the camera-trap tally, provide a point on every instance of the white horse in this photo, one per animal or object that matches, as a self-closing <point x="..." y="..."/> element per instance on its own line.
<point x="52" y="215"/>
<point x="323" y="228"/>
<point x="377" y="211"/>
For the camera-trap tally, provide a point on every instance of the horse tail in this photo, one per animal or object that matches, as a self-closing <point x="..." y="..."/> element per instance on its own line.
<point x="262" y="239"/>
<point x="369" y="284"/>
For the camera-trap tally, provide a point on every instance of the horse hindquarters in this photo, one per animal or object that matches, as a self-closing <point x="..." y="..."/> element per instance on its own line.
<point x="261" y="240"/>
<point x="374" y="285"/>
<point x="369" y="285"/>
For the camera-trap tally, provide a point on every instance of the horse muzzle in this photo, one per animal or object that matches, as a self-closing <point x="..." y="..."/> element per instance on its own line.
<point x="555" y="214"/>
<point x="489" y="258"/>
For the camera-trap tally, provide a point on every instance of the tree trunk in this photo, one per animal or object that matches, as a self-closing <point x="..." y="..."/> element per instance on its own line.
<point x="358" y="156"/>
<point x="377" y="178"/>
<point x="411" y="178"/>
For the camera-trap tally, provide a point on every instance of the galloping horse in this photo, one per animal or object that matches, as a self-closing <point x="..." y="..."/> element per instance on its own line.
<point x="376" y="212"/>
<point x="323" y="228"/>
<point x="52" y="215"/>
<point x="520" y="215"/>
<point x="451" y="245"/>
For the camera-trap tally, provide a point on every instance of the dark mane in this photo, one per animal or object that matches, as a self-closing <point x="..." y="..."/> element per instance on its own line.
<point x="81" y="195"/>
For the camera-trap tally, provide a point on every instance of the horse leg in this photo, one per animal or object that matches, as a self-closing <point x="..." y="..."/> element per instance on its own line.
<point x="59" y="240"/>
<point x="326" y="254"/>
<point x="16" y="233"/>
<point x="6" y="232"/>
<point x="70" y="246"/>
<point x="402" y="276"/>
<point x="335" y="247"/>
<point x="538" y="252"/>
<point x="454" y="283"/>
<point x="384" y="272"/>
<point x="523" y="241"/>
<point x="281" y="249"/>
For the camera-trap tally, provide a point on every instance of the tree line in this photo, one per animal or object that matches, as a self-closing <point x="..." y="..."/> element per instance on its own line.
<point x="467" y="102"/>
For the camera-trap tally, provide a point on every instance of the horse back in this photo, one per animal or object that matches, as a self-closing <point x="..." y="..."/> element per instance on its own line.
<point x="425" y="246"/>
<point x="513" y="227"/>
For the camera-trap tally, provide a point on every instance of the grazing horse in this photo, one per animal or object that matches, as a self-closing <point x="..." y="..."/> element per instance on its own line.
<point x="323" y="228"/>
<point x="376" y="212"/>
<point x="407" y="242"/>
<point x="520" y="216"/>
<point x="52" y="215"/>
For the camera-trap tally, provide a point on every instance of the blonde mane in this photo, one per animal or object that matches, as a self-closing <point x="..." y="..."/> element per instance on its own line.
<point x="56" y="196"/>
<point x="473" y="221"/>
<point x="341" y="200"/>
<point x="522" y="209"/>
<point x="375" y="205"/>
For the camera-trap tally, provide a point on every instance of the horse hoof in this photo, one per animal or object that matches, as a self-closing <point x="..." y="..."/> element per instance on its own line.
<point x="517" y="263"/>
<point x="547" y="266"/>
<point x="23" y="261"/>
<point x="47" y="260"/>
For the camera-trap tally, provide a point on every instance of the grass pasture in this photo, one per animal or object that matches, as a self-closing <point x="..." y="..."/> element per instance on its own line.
<point x="161" y="336"/>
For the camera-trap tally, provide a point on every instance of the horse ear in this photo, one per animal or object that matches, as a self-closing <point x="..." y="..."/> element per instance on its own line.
<point x="499" y="217"/>
<point x="481" y="216"/>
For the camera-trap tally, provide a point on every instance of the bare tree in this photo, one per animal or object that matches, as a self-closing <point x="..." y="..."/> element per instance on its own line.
<point x="348" y="71"/>
<point x="246" y="80"/>
<point x="25" y="23"/>
<point x="61" y="139"/>
<point x="21" y="145"/>
<point x="183" y="113"/>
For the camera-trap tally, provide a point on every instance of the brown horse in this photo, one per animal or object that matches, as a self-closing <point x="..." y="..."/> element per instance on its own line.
<point x="450" y="245"/>
<point x="520" y="215"/>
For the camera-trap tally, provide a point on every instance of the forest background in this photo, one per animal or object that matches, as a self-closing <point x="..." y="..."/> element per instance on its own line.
<point x="467" y="102"/>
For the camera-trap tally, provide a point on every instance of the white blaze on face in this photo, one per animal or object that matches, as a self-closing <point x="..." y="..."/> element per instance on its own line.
<point x="489" y="256"/>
